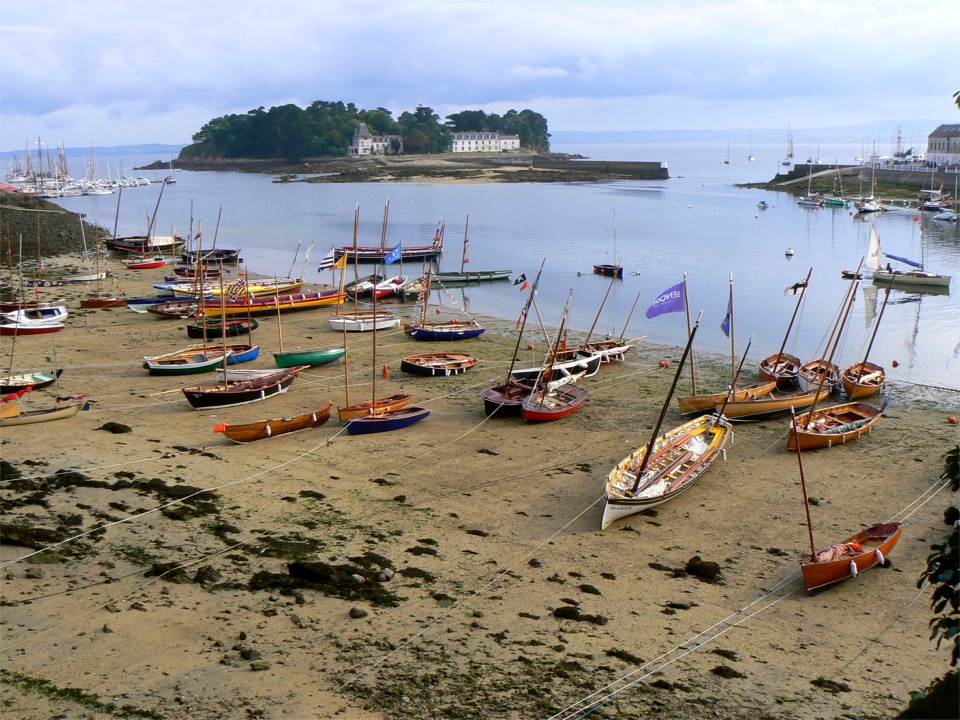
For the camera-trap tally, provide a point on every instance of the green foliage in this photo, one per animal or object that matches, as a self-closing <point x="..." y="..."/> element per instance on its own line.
<point x="943" y="569"/>
<point x="326" y="128"/>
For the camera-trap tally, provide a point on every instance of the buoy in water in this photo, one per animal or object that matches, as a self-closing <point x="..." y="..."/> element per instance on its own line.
<point x="789" y="252"/>
<point x="896" y="363"/>
<point x="531" y="346"/>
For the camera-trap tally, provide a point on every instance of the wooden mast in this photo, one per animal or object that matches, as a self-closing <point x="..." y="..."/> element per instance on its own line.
<point x="666" y="403"/>
<point x="803" y="483"/>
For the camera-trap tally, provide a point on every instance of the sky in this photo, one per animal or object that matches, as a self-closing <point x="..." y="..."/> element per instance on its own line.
<point x="117" y="72"/>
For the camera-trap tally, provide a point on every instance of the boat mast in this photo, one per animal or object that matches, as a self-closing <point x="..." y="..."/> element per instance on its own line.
<point x="630" y="315"/>
<point x="666" y="404"/>
<point x="523" y="322"/>
<point x="463" y="255"/>
<point x="735" y="376"/>
<point x="876" y="327"/>
<point x="803" y="483"/>
<point x="733" y="342"/>
<point x="600" y="309"/>
<point x="686" y="307"/>
<point x="793" y="317"/>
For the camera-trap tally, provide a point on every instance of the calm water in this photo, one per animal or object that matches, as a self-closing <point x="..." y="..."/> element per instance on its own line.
<point x="696" y="223"/>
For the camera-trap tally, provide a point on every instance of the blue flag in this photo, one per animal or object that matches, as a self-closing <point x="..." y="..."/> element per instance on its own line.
<point x="393" y="255"/>
<point x="725" y="325"/>
<point x="670" y="300"/>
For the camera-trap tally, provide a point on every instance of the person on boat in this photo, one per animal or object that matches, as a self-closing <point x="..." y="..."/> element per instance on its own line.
<point x="889" y="268"/>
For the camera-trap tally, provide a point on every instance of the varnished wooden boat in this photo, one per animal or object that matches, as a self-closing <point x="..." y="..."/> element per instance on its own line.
<point x="863" y="379"/>
<point x="811" y="373"/>
<point x="273" y="304"/>
<point x="833" y="425"/>
<point x="439" y="363"/>
<point x="851" y="556"/>
<point x="678" y="458"/>
<point x="102" y="302"/>
<point x="263" y="429"/>
<point x="698" y="404"/>
<point x="768" y="406"/>
<point x="504" y="399"/>
<point x="434" y="331"/>
<point x="28" y="417"/>
<point x="782" y="368"/>
<point x="372" y="407"/>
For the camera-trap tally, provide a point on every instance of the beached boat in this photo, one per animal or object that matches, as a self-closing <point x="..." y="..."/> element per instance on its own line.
<point x="189" y="361"/>
<point x="563" y="363"/>
<point x="40" y="314"/>
<point x="145" y="262"/>
<point x="263" y="429"/>
<point x="60" y="411"/>
<point x="769" y="406"/>
<point x="669" y="463"/>
<point x="611" y="349"/>
<point x="30" y="328"/>
<point x="831" y="426"/>
<point x="783" y="367"/>
<point x="386" y="421"/>
<point x="823" y="372"/>
<point x="380" y="406"/>
<point x="220" y="327"/>
<point x="505" y="399"/>
<point x="291" y="358"/>
<point x="865" y="378"/>
<point x="439" y="363"/>
<point x="168" y="309"/>
<point x="28" y="381"/>
<point x="707" y="402"/>
<point x="363" y="320"/>
<point x="863" y="550"/>
<point x="241" y="392"/>
<point x="423" y="329"/>
<point x="272" y="303"/>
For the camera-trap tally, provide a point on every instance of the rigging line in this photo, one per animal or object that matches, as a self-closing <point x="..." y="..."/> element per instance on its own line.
<point x="457" y="606"/>
<point x="942" y="486"/>
<point x="100" y="467"/>
<point x="203" y="491"/>
<point x="698" y="641"/>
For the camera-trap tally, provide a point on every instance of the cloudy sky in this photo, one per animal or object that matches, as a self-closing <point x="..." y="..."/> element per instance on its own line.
<point x="128" y="71"/>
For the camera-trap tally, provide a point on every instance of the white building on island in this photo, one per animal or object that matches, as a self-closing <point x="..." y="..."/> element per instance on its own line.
<point x="366" y="144"/>
<point x="465" y="142"/>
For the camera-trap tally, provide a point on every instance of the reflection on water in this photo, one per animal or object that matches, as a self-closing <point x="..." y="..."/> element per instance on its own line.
<point x="696" y="224"/>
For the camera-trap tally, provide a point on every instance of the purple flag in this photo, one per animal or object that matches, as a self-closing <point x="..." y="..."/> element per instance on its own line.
<point x="725" y="325"/>
<point x="670" y="300"/>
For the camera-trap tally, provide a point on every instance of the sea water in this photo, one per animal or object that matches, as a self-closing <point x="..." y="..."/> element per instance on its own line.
<point x="698" y="224"/>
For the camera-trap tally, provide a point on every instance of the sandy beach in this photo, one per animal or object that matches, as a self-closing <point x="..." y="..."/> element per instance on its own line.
<point x="419" y="573"/>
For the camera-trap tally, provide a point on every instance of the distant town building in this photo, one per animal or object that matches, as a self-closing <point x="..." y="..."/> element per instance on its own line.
<point x="366" y="144"/>
<point x="465" y="142"/>
<point x="943" y="145"/>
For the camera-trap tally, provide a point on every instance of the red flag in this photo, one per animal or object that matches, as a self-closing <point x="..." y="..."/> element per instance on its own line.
<point x="916" y="219"/>
<point x="524" y="286"/>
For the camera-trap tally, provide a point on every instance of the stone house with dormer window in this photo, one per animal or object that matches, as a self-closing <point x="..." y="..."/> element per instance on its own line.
<point x="364" y="143"/>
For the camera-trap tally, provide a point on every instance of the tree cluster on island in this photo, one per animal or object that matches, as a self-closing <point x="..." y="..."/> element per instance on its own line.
<point x="325" y="129"/>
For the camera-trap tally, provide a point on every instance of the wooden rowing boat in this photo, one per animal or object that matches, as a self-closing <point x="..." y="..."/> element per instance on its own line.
<point x="263" y="429"/>
<point x="851" y="556"/>
<point x="831" y="426"/>
<point x="59" y="412"/>
<point x="863" y="550"/>
<point x="31" y="381"/>
<point x="241" y="392"/>
<point x="439" y="363"/>
<point x="378" y="406"/>
<point x="768" y="406"/>
<point x="386" y="421"/>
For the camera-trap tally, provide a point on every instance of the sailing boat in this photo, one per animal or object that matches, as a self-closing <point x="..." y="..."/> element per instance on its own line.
<point x="465" y="275"/>
<point x="611" y="350"/>
<point x="697" y="403"/>
<point x="357" y="320"/>
<point x="422" y="329"/>
<point x="918" y="277"/>
<point x="302" y="356"/>
<point x="810" y="200"/>
<point x="554" y="399"/>
<point x="378" y="414"/>
<point x="98" y="301"/>
<point x="12" y="414"/>
<point x="849" y="557"/>
<point x="869" y="204"/>
<point x="505" y="398"/>
<point x="783" y="367"/>
<point x="823" y="373"/>
<point x="865" y="378"/>
<point x="669" y="463"/>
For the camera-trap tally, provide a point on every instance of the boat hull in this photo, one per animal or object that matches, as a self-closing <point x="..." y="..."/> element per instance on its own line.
<point x="565" y="364"/>
<point x="242" y="392"/>
<point x="292" y="358"/>
<point x="863" y="380"/>
<point x="30" y="417"/>
<point x="273" y="304"/>
<point x="39" y="328"/>
<point x="679" y="457"/>
<point x="831" y="426"/>
<point x="386" y="421"/>
<point x="694" y="404"/>
<point x="217" y="328"/>
<point x="433" y="332"/>
<point x="782" y="368"/>
<point x="811" y="373"/>
<point x="615" y="271"/>
<point x="434" y="364"/>
<point x="251" y="432"/>
<point x="31" y="381"/>
<point x="762" y="408"/>
<point x="554" y="404"/>
<point x="505" y="400"/>
<point x="191" y="361"/>
<point x="380" y="405"/>
<point x="911" y="278"/>
<point x="466" y="276"/>
<point x="876" y="543"/>
<point x="363" y="321"/>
